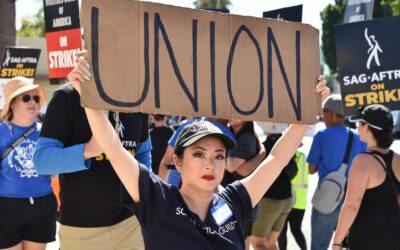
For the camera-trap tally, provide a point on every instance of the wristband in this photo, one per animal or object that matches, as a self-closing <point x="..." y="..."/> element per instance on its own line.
<point x="337" y="245"/>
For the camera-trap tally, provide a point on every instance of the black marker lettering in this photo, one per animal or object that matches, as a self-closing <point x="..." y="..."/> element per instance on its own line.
<point x="159" y="26"/>
<point x="272" y="41"/>
<point x="95" y="61"/>
<point x="229" y="69"/>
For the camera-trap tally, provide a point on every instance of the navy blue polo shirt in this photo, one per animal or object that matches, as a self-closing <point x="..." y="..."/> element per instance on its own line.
<point x="167" y="223"/>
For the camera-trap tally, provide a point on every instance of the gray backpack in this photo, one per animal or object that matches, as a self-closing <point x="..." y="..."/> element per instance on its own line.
<point x="332" y="188"/>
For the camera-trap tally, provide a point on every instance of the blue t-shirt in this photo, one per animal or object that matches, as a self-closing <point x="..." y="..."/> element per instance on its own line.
<point x="167" y="223"/>
<point x="18" y="176"/>
<point x="174" y="177"/>
<point x="329" y="147"/>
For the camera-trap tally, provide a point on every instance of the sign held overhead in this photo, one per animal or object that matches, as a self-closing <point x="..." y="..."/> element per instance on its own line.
<point x="157" y="58"/>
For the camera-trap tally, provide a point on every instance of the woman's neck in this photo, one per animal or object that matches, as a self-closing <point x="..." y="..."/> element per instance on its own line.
<point x="237" y="128"/>
<point x="374" y="147"/>
<point x="197" y="202"/>
<point x="22" y="122"/>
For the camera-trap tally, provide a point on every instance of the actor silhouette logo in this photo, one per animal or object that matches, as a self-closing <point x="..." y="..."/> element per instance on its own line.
<point x="119" y="127"/>
<point x="373" y="49"/>
<point x="7" y="59"/>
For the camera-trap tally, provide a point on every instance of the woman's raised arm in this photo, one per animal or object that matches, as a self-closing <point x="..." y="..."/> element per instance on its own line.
<point x="124" y="164"/>
<point x="262" y="178"/>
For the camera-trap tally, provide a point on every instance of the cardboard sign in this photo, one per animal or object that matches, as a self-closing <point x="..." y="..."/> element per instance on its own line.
<point x="293" y="13"/>
<point x="358" y="10"/>
<point x="368" y="62"/>
<point x="63" y="36"/>
<point x="157" y="58"/>
<point x="17" y="62"/>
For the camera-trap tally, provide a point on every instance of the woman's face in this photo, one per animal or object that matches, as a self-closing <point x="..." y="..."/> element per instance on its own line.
<point x="362" y="130"/>
<point x="26" y="105"/>
<point x="202" y="165"/>
<point x="236" y="124"/>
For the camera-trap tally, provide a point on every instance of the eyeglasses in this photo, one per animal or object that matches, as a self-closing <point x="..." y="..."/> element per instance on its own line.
<point x="27" y="98"/>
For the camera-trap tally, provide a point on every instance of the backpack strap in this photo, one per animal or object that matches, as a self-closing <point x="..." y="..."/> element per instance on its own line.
<point x="348" y="148"/>
<point x="345" y="161"/>
<point x="17" y="142"/>
<point x="386" y="170"/>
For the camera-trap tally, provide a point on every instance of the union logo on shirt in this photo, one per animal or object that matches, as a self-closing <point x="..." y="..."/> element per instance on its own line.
<point x="21" y="159"/>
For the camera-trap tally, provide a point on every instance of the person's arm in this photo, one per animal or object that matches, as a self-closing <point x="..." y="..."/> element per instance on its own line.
<point x="51" y="156"/>
<point x="262" y="178"/>
<point x="356" y="186"/>
<point x="234" y="163"/>
<point x="312" y="169"/>
<point x="245" y="148"/>
<point x="48" y="153"/>
<point x="124" y="164"/>
<point x="249" y="166"/>
<point x="163" y="172"/>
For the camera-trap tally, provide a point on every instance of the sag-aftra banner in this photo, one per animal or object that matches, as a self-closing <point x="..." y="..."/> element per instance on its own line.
<point x="18" y="61"/>
<point x="368" y="61"/>
<point x="157" y="58"/>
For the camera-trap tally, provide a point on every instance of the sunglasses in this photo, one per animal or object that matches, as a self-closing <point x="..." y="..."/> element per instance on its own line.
<point x="27" y="98"/>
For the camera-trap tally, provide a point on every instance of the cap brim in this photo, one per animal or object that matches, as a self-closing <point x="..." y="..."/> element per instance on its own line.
<point x="355" y="118"/>
<point x="228" y="142"/>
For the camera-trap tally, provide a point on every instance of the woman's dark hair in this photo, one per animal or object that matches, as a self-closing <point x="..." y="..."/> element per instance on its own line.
<point x="158" y="117"/>
<point x="249" y="127"/>
<point x="383" y="137"/>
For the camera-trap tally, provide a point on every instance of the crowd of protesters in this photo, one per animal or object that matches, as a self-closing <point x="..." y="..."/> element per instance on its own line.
<point x="134" y="181"/>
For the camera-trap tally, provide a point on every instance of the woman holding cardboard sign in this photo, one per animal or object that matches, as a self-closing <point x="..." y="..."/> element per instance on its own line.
<point x="192" y="217"/>
<point x="371" y="210"/>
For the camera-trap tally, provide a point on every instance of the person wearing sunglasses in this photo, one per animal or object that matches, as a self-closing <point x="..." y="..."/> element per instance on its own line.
<point x="371" y="210"/>
<point x="27" y="202"/>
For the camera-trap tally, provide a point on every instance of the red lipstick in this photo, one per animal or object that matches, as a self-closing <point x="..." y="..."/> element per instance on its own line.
<point x="208" y="177"/>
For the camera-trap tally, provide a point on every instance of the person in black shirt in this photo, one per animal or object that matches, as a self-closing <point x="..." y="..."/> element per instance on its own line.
<point x="159" y="134"/>
<point x="192" y="217"/>
<point x="91" y="197"/>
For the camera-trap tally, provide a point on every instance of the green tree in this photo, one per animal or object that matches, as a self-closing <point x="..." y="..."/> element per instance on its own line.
<point x="219" y="4"/>
<point x="7" y="25"/>
<point x="33" y="26"/>
<point x="332" y="15"/>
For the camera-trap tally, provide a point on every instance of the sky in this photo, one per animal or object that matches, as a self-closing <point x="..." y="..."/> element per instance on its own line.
<point x="311" y="8"/>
